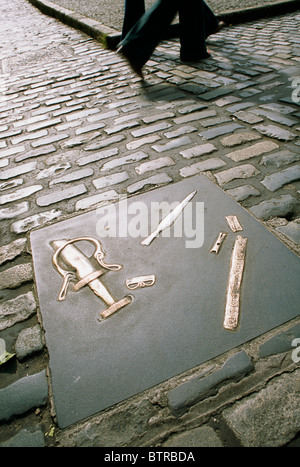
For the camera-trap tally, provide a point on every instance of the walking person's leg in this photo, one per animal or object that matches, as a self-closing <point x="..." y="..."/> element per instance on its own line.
<point x="139" y="44"/>
<point x="192" y="30"/>
<point x="134" y="10"/>
<point x="211" y="22"/>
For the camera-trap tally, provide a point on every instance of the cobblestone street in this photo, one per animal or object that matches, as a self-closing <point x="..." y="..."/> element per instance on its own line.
<point x="77" y="129"/>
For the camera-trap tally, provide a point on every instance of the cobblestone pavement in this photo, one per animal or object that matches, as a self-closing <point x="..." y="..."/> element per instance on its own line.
<point x="77" y="128"/>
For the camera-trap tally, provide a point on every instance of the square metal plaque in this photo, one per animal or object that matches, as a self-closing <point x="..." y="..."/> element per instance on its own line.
<point x="170" y="326"/>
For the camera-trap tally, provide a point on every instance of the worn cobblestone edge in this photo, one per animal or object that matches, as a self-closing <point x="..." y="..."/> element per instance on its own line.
<point x="97" y="30"/>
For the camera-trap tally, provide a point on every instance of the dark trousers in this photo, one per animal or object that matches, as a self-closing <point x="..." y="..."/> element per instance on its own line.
<point x="197" y="22"/>
<point x="134" y="10"/>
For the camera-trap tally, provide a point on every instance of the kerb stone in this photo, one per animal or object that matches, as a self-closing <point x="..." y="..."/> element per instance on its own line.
<point x="190" y="393"/>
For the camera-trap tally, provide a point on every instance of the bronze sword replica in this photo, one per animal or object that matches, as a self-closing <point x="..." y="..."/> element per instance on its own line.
<point x="86" y="272"/>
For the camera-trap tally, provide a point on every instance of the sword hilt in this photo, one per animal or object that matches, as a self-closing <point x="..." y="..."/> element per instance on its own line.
<point x="68" y="276"/>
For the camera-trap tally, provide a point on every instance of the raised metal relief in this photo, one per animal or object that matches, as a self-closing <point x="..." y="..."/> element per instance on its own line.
<point x="232" y="309"/>
<point x="169" y="219"/>
<point x="218" y="243"/>
<point x="86" y="274"/>
<point x="234" y="223"/>
<point x="140" y="282"/>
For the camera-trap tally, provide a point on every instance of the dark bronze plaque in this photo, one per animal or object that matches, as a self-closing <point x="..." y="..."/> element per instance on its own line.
<point x="176" y="320"/>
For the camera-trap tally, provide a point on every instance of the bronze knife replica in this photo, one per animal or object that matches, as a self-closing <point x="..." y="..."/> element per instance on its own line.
<point x="169" y="219"/>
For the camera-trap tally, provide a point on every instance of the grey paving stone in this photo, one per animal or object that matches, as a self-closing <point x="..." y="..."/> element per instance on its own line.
<point x="203" y="166"/>
<point x="124" y="126"/>
<point x="239" y="138"/>
<point x="280" y="343"/>
<point x="196" y="389"/>
<point x="156" y="118"/>
<point x="36" y="153"/>
<point x="12" y="250"/>
<point x="172" y="144"/>
<point x="252" y="151"/>
<point x="73" y="176"/>
<point x="96" y="200"/>
<point x="104" y="143"/>
<point x="109" y="180"/>
<point x="53" y="170"/>
<point x="252" y="419"/>
<point x="277" y="180"/>
<point x="36" y="220"/>
<point x="155" y="180"/>
<point x="46" y="124"/>
<point x="82" y="114"/>
<point x="198" y="151"/>
<point x="280" y="159"/>
<point x="23" y="395"/>
<point x="79" y="140"/>
<point x="276" y="207"/>
<point x="20" y="194"/>
<point x="14" y="211"/>
<point x="180" y="131"/>
<point x="26" y="439"/>
<point x="243" y="192"/>
<point x="98" y="156"/>
<point x="12" y="151"/>
<point x="154" y="165"/>
<point x="61" y="195"/>
<point x="15" y="276"/>
<point x="242" y="171"/>
<point x="142" y="141"/>
<point x="4" y="163"/>
<point x="277" y="132"/>
<point x="11" y="184"/>
<point x="203" y="436"/>
<point x="220" y="130"/>
<point x="151" y="129"/>
<point x="129" y="159"/>
<point x="291" y="231"/>
<point x="29" y="342"/>
<point x="19" y="170"/>
<point x="191" y="117"/>
<point x="208" y="96"/>
<point x="275" y="117"/>
<point x="191" y="108"/>
<point x="16" y="310"/>
<point x="248" y="117"/>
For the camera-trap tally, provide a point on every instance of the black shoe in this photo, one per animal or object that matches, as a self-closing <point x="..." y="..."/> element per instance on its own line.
<point x="131" y="62"/>
<point x="194" y="58"/>
<point x="111" y="42"/>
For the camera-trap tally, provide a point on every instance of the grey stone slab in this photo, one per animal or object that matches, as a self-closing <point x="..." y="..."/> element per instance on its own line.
<point x="200" y="387"/>
<point x="23" y="395"/>
<point x="26" y="439"/>
<point x="280" y="343"/>
<point x="203" y="436"/>
<point x="170" y="327"/>
<point x="29" y="342"/>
